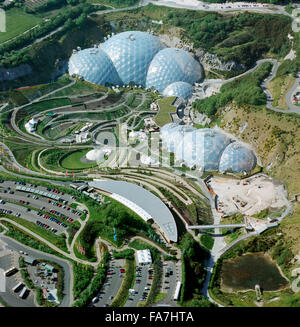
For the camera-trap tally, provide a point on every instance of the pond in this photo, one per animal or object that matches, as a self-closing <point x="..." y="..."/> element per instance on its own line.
<point x="244" y="272"/>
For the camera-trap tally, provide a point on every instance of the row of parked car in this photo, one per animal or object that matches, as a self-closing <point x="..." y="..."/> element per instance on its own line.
<point x="61" y="215"/>
<point x="52" y="219"/>
<point x="39" y="223"/>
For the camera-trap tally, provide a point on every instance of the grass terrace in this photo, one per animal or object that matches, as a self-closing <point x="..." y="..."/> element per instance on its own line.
<point x="165" y="108"/>
<point x="18" y="22"/>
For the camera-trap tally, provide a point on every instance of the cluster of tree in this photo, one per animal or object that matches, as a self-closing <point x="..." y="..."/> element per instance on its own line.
<point x="83" y="274"/>
<point x="125" y="254"/>
<point x="122" y="3"/>
<point x="11" y="4"/>
<point x="288" y="67"/>
<point x="55" y="4"/>
<point x="193" y="273"/>
<point x="158" y="273"/>
<point x="254" y="34"/>
<point x="244" y="90"/>
<point x="115" y="224"/>
<point x="96" y="284"/>
<point x="278" y="2"/>
<point x="71" y="17"/>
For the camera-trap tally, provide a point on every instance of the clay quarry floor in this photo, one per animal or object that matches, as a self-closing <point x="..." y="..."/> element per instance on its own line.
<point x="259" y="193"/>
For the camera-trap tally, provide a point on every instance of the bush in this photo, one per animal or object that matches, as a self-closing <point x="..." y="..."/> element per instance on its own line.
<point x="83" y="275"/>
<point x="243" y="90"/>
<point x="98" y="281"/>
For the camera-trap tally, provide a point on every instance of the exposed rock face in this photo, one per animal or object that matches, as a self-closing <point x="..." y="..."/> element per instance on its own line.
<point x="9" y="74"/>
<point x="211" y="61"/>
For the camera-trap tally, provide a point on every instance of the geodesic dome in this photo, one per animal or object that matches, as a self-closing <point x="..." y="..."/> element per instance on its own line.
<point x="95" y="155"/>
<point x="131" y="53"/>
<point x="179" y="89"/>
<point x="237" y="158"/>
<point x="172" y="135"/>
<point x="94" y="66"/>
<point x="172" y="65"/>
<point x="202" y="148"/>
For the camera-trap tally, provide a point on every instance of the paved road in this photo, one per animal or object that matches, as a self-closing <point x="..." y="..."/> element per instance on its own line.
<point x="68" y="276"/>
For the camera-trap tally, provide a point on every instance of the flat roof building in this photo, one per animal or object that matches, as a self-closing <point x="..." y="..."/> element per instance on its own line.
<point x="142" y="202"/>
<point x="144" y="257"/>
<point x="30" y="260"/>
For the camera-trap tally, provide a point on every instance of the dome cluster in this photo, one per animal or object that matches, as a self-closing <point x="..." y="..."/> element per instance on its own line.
<point x="139" y="58"/>
<point x="206" y="148"/>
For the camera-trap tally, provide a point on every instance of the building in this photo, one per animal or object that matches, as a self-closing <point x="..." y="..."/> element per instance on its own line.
<point x="144" y="257"/>
<point x="137" y="58"/>
<point x="148" y="206"/>
<point x="206" y="149"/>
<point x="30" y="260"/>
<point x="49" y="268"/>
<point x="31" y="125"/>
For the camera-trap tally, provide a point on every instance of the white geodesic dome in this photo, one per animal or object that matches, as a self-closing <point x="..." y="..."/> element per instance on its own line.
<point x="95" y="155"/>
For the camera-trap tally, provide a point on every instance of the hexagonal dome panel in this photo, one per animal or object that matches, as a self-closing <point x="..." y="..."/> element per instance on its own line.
<point x="202" y="148"/>
<point x="173" y="65"/>
<point x="94" y="66"/>
<point x="237" y="158"/>
<point x="179" y="89"/>
<point x="172" y="134"/>
<point x="131" y="52"/>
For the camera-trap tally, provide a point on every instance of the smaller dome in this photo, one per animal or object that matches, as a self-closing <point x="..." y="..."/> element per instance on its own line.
<point x="94" y="66"/>
<point x="237" y="158"/>
<point x="95" y="155"/>
<point x="179" y="89"/>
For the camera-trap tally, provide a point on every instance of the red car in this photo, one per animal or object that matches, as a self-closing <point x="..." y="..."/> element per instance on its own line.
<point x="49" y="201"/>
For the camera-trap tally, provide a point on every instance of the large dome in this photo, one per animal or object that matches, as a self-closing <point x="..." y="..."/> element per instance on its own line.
<point x="172" y="65"/>
<point x="202" y="148"/>
<point x="179" y="89"/>
<point x="237" y="158"/>
<point x="94" y="66"/>
<point x="172" y="135"/>
<point x="131" y="53"/>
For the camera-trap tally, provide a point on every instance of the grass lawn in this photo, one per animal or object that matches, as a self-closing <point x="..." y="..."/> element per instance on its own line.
<point x="207" y="241"/>
<point x="56" y="240"/>
<point x="22" y="150"/>
<point x="165" y="108"/>
<point x="160" y="296"/>
<point x="72" y="161"/>
<point x="35" y="91"/>
<point x="80" y="88"/>
<point x="17" y="22"/>
<point x="115" y="3"/>
<point x="46" y="104"/>
<point x="279" y="88"/>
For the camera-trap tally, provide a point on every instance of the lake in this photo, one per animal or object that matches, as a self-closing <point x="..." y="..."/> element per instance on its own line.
<point x="244" y="272"/>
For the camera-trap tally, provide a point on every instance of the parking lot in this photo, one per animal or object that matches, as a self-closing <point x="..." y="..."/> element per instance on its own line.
<point x="142" y="285"/>
<point x="8" y="259"/>
<point x="49" y="212"/>
<point x="112" y="284"/>
<point x="14" y="249"/>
